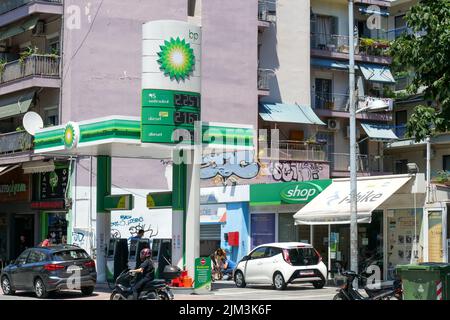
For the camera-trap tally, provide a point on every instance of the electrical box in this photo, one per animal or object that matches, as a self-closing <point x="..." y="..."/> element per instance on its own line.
<point x="233" y="239"/>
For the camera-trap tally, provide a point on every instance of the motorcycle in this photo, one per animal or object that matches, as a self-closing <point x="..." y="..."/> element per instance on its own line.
<point x="348" y="292"/>
<point x="157" y="289"/>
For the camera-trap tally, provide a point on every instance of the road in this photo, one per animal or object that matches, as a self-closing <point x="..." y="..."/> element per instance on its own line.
<point x="223" y="290"/>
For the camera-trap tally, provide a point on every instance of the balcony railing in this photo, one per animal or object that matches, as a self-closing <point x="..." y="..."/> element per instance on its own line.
<point x="264" y="76"/>
<point x="8" y="5"/>
<point x="402" y="83"/>
<point x="330" y="101"/>
<point x="364" y="164"/>
<point x="340" y="44"/>
<point x="295" y="150"/>
<point x="35" y="65"/>
<point x="15" y="142"/>
<point x="267" y="11"/>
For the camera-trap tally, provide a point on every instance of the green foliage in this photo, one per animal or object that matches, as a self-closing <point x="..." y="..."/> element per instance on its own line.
<point x="443" y="177"/>
<point x="27" y="53"/>
<point x="427" y="50"/>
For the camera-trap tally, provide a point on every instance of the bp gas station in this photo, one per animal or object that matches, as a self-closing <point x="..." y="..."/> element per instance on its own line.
<point x="170" y="127"/>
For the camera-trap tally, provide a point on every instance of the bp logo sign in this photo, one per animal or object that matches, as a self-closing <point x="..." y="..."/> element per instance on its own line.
<point x="176" y="59"/>
<point x="300" y="193"/>
<point x="71" y="135"/>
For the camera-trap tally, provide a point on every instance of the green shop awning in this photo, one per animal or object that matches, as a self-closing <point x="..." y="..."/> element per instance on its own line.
<point x="290" y="113"/>
<point x="330" y="64"/>
<point x="379" y="132"/>
<point x="13" y="105"/>
<point x="15" y="30"/>
<point x="274" y="194"/>
<point x="377" y="73"/>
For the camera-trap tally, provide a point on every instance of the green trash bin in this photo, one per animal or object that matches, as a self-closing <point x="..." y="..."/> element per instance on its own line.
<point x="425" y="281"/>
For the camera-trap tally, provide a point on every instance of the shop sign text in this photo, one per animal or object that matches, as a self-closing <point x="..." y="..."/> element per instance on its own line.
<point x="13" y="188"/>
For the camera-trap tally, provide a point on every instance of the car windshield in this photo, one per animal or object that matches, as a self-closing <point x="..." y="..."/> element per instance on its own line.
<point x="303" y="256"/>
<point x="68" y="255"/>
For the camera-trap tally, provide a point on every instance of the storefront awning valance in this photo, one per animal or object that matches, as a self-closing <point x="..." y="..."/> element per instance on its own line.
<point x="16" y="104"/>
<point x="377" y="73"/>
<point x="38" y="167"/>
<point x="290" y="113"/>
<point x="18" y="29"/>
<point x="332" y="206"/>
<point x="379" y="132"/>
<point x="329" y="64"/>
<point x="7" y="169"/>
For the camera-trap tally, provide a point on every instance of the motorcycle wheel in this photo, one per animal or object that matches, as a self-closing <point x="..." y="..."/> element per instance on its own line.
<point x="116" y="296"/>
<point x="339" y="296"/>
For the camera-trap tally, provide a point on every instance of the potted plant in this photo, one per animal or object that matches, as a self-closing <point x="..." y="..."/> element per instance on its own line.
<point x="3" y="63"/>
<point x="443" y="177"/>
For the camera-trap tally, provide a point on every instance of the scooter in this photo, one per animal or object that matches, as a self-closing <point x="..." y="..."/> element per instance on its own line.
<point x="348" y="292"/>
<point x="157" y="289"/>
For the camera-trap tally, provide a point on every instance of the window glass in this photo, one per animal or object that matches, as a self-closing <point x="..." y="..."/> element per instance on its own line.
<point x="23" y="257"/>
<point x="259" y="253"/>
<point x="69" y="255"/>
<point x="36" y="256"/>
<point x="446" y="163"/>
<point x="273" y="251"/>
<point x="303" y="256"/>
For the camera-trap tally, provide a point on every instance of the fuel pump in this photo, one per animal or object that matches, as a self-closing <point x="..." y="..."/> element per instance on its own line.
<point x="116" y="258"/>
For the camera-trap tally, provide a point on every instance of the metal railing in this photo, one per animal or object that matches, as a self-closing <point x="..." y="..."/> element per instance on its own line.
<point x="15" y="142"/>
<point x="264" y="76"/>
<point x="9" y="5"/>
<point x="267" y="10"/>
<point x="402" y="83"/>
<point x="330" y="101"/>
<point x="365" y="163"/>
<point x="295" y="150"/>
<point x="35" y="65"/>
<point x="340" y="44"/>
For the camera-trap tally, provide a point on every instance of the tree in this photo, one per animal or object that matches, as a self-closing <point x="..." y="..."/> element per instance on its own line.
<point x="426" y="49"/>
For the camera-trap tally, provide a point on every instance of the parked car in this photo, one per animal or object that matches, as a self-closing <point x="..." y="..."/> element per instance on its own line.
<point x="47" y="269"/>
<point x="280" y="264"/>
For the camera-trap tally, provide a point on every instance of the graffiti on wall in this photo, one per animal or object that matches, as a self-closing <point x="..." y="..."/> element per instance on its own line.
<point x="228" y="165"/>
<point x="287" y="171"/>
<point x="128" y="226"/>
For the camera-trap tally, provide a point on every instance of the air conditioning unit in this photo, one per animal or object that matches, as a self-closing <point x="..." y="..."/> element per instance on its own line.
<point x="333" y="124"/>
<point x="39" y="29"/>
<point x="358" y="133"/>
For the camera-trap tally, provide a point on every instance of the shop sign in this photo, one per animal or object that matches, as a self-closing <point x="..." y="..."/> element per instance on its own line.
<point x="202" y="274"/>
<point x="14" y="187"/>
<point x="48" y="205"/>
<point x="286" y="193"/>
<point x="54" y="184"/>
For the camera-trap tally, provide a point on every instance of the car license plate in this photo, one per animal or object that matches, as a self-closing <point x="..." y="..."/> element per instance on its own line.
<point x="306" y="273"/>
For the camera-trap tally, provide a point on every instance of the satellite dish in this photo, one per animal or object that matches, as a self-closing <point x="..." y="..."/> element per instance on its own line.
<point x="32" y="121"/>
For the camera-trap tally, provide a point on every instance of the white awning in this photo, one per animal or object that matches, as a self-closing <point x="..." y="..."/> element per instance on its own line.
<point x="38" y="167"/>
<point x="332" y="206"/>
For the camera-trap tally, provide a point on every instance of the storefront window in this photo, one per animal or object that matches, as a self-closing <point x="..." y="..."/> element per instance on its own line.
<point x="405" y="239"/>
<point x="57" y="227"/>
<point x="262" y="229"/>
<point x="320" y="235"/>
<point x="287" y="231"/>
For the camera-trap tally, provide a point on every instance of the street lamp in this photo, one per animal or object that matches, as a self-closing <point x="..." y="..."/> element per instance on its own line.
<point x="353" y="174"/>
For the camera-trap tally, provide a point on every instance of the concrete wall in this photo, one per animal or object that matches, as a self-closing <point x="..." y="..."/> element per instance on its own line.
<point x="285" y="49"/>
<point x="229" y="61"/>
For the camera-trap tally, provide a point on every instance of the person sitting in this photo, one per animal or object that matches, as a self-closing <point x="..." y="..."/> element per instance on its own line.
<point x="228" y="267"/>
<point x="147" y="269"/>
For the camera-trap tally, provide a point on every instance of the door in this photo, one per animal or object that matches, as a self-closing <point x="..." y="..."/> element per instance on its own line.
<point x="323" y="94"/>
<point x="262" y="229"/>
<point x="435" y="238"/>
<point x="34" y="265"/>
<point x="401" y="118"/>
<point x="270" y="264"/>
<point x="18" y="276"/>
<point x="253" y="267"/>
<point x="23" y="233"/>
<point x="328" y="138"/>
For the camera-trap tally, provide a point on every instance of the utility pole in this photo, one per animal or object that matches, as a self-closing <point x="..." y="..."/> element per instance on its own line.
<point x="353" y="168"/>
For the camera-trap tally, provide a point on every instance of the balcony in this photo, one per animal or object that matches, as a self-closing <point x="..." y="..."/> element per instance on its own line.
<point x="367" y="165"/>
<point x="264" y="76"/>
<point x="295" y="150"/>
<point x="266" y="13"/>
<point x="13" y="10"/>
<point x="15" y="142"/>
<point x="33" y="71"/>
<point x="328" y="104"/>
<point x="337" y="47"/>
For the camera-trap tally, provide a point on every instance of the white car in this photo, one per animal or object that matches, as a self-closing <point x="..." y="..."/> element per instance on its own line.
<point x="280" y="264"/>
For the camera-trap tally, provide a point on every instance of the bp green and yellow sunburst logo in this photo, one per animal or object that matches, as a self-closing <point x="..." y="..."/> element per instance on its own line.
<point x="176" y="59"/>
<point x="71" y="135"/>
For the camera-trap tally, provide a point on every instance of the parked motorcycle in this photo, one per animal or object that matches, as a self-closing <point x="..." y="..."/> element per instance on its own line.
<point x="386" y="292"/>
<point x="157" y="289"/>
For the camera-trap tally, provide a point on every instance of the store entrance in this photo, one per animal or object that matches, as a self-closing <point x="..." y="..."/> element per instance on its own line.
<point x="23" y="233"/>
<point x="57" y="227"/>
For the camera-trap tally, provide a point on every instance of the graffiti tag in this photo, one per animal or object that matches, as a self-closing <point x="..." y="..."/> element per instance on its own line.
<point x="225" y="165"/>
<point x="288" y="171"/>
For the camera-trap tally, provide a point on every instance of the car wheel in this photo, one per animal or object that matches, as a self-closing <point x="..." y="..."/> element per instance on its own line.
<point x="239" y="279"/>
<point x="39" y="289"/>
<point x="87" y="291"/>
<point x="318" y="284"/>
<point x="278" y="281"/>
<point x="6" y="286"/>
